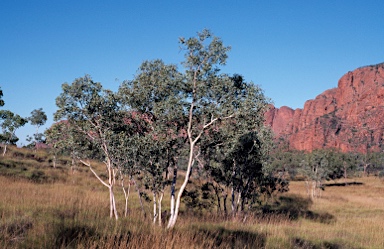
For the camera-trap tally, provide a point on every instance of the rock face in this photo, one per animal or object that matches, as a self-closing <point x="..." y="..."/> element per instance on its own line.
<point x="349" y="117"/>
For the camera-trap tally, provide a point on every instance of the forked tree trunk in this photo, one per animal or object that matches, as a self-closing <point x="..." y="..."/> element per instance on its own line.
<point x="126" y="196"/>
<point x="109" y="185"/>
<point x="113" y="211"/>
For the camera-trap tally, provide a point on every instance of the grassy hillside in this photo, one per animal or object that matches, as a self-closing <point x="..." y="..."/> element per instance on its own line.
<point x="57" y="209"/>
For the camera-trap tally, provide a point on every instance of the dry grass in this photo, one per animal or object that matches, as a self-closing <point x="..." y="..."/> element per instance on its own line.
<point x="359" y="212"/>
<point x="73" y="213"/>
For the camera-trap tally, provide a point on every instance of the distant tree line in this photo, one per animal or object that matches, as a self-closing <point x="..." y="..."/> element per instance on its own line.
<point x="318" y="166"/>
<point x="10" y="122"/>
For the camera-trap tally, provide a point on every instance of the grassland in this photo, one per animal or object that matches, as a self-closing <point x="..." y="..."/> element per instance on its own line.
<point x="43" y="207"/>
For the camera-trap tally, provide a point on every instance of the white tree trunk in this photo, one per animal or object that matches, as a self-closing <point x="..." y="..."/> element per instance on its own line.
<point x="126" y="196"/>
<point x="109" y="185"/>
<point x="173" y="218"/>
<point x="5" y="149"/>
<point x="313" y="196"/>
<point x="238" y="200"/>
<point x="233" y="206"/>
<point x="154" y="208"/>
<point x="160" y="199"/>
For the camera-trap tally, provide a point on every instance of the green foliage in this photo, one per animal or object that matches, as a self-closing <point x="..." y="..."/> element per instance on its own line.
<point x="199" y="199"/>
<point x="93" y="117"/>
<point x="37" y="119"/>
<point x="165" y="117"/>
<point x="315" y="166"/>
<point x="1" y="98"/>
<point x="9" y="123"/>
<point x="153" y="100"/>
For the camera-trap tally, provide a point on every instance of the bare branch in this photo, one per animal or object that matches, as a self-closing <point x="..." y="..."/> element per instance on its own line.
<point x="97" y="176"/>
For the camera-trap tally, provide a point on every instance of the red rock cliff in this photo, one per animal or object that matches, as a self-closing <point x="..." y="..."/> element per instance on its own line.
<point x="349" y="117"/>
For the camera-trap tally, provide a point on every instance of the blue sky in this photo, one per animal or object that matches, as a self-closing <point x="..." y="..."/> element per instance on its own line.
<point x="294" y="50"/>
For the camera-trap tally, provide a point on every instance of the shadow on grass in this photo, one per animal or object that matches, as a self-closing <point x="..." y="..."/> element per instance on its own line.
<point x="295" y="207"/>
<point x="224" y="238"/>
<point x="72" y="236"/>
<point x="343" y="184"/>
<point x="81" y="236"/>
<point x="306" y="244"/>
<point x="15" y="230"/>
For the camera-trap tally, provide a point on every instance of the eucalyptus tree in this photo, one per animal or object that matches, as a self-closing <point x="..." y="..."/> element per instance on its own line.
<point x="37" y="119"/>
<point x="55" y="139"/>
<point x="126" y="151"/>
<point x="237" y="161"/>
<point x="315" y="167"/>
<point x="62" y="138"/>
<point x="211" y="99"/>
<point x="155" y="94"/>
<point x="97" y="116"/>
<point x="251" y="174"/>
<point x="9" y="123"/>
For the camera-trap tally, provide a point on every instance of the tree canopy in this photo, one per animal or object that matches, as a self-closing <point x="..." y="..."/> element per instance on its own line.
<point x="166" y="117"/>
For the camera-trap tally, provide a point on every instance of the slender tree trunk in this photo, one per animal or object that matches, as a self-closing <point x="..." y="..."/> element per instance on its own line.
<point x="159" y="205"/>
<point x="111" y="181"/>
<point x="140" y="199"/>
<point x="313" y="190"/>
<point x="154" y="207"/>
<point x="365" y="169"/>
<point x="233" y="207"/>
<point x="173" y="190"/>
<point x="225" y="204"/>
<point x="319" y="189"/>
<point x="173" y="218"/>
<point x="218" y="199"/>
<point x="126" y="196"/>
<point x="238" y="200"/>
<point x="5" y="149"/>
<point x="72" y="163"/>
<point x="242" y="206"/>
<point x="112" y="203"/>
<point x="109" y="185"/>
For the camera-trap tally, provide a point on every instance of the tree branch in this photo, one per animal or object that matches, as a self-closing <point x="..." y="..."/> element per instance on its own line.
<point x="215" y="119"/>
<point x="90" y="167"/>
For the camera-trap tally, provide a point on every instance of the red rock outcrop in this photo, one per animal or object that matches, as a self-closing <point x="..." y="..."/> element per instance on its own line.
<point x="349" y="117"/>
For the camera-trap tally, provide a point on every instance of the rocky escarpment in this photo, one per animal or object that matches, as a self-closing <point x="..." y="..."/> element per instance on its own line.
<point x="349" y="117"/>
